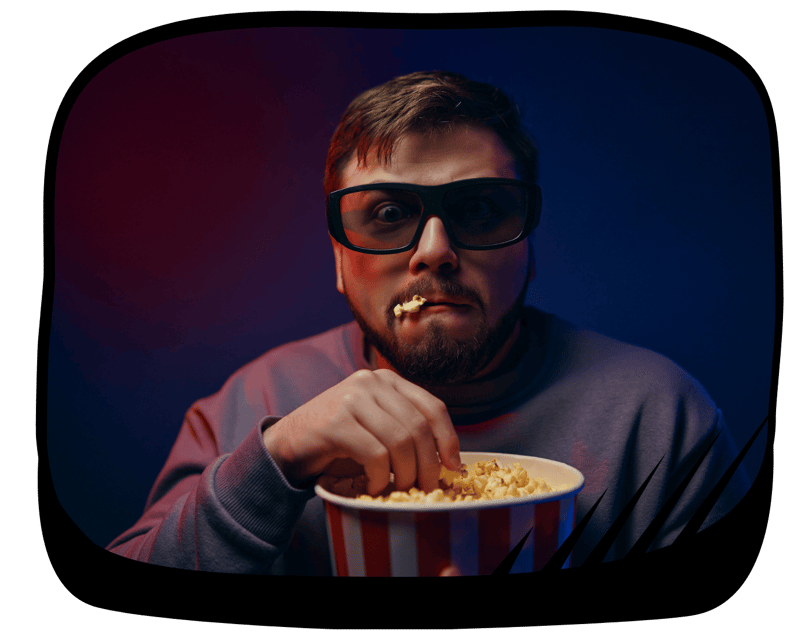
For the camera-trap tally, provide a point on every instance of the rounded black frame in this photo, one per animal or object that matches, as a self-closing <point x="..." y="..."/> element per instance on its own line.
<point x="432" y="198"/>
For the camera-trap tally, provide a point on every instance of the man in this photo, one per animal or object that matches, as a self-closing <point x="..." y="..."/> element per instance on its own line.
<point x="430" y="185"/>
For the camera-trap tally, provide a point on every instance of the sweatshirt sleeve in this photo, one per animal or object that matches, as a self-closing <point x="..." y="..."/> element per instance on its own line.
<point x="721" y="453"/>
<point x="207" y="511"/>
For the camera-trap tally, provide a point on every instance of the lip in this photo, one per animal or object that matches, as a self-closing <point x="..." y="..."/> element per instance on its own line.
<point x="437" y="302"/>
<point x="440" y="304"/>
<point x="443" y="307"/>
<point x="444" y="301"/>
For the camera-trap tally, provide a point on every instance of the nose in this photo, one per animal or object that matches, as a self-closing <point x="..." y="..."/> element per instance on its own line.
<point x="434" y="250"/>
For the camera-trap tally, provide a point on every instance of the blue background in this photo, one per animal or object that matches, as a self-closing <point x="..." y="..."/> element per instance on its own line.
<point x="190" y="237"/>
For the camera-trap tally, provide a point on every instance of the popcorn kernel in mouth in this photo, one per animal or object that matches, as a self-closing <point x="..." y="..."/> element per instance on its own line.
<point x="410" y="306"/>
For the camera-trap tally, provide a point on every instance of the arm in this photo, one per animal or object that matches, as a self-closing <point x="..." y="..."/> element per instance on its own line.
<point x="236" y="512"/>
<point x="215" y="512"/>
<point x="715" y="464"/>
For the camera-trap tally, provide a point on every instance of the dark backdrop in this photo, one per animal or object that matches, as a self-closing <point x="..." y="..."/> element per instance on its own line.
<point x="189" y="230"/>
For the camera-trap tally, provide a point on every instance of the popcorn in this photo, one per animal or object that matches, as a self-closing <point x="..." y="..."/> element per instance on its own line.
<point x="485" y="480"/>
<point x="410" y="306"/>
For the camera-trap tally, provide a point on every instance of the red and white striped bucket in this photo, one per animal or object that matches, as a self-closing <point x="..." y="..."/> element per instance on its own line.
<point x="369" y="538"/>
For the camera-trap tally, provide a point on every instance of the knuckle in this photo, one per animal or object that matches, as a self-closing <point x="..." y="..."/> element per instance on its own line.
<point x="421" y="426"/>
<point x="401" y="441"/>
<point x="387" y="376"/>
<point x="440" y="407"/>
<point x="437" y="407"/>
<point x="362" y="376"/>
<point x="379" y="454"/>
<point x="349" y="397"/>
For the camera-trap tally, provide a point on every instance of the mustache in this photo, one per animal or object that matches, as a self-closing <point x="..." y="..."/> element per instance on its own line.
<point x="446" y="287"/>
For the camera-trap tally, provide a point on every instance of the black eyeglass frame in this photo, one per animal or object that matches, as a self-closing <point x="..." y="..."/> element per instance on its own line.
<point x="432" y="200"/>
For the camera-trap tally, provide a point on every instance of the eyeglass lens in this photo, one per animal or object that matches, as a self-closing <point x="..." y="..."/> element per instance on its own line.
<point x="477" y="215"/>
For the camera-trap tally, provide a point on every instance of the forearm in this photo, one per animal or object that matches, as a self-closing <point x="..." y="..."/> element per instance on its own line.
<point x="235" y="516"/>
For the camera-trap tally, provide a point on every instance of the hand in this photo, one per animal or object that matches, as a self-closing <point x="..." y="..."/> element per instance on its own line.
<point x="451" y="570"/>
<point x="376" y="419"/>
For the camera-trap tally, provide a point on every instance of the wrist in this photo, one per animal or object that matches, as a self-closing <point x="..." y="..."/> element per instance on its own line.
<point x="281" y="453"/>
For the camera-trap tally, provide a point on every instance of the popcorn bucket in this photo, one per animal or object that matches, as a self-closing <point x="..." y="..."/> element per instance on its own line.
<point x="369" y="538"/>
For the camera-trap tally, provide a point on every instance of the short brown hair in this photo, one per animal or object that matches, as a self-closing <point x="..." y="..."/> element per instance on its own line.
<point x="420" y="103"/>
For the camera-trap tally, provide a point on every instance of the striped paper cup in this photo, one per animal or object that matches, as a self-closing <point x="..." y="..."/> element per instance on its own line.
<point x="369" y="538"/>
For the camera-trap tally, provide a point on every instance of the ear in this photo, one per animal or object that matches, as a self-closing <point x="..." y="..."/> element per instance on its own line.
<point x="338" y="254"/>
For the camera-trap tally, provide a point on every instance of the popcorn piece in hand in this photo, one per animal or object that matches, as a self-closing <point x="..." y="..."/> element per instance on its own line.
<point x="410" y="306"/>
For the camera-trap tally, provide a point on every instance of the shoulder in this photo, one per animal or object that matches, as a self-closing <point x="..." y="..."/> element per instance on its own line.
<point x="615" y="367"/>
<point x="635" y="364"/>
<point x="329" y="353"/>
<point x="288" y="375"/>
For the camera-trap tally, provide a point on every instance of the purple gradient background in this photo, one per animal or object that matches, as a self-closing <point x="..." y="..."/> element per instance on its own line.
<point x="190" y="235"/>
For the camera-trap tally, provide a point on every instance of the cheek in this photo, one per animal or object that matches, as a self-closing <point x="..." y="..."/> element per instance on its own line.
<point x="370" y="274"/>
<point x="362" y="269"/>
<point x="370" y="279"/>
<point x="505" y="277"/>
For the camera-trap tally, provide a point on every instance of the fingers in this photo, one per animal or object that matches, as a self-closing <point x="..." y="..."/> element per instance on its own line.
<point x="411" y="444"/>
<point x="379" y="421"/>
<point x="419" y="428"/>
<point x="353" y="444"/>
<point x="388" y="428"/>
<point x="344" y="467"/>
<point x="445" y="436"/>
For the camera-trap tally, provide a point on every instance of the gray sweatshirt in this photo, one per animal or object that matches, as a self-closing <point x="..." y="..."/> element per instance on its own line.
<point x="609" y="409"/>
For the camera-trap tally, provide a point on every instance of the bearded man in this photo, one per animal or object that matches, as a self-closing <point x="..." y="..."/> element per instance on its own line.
<point x="430" y="190"/>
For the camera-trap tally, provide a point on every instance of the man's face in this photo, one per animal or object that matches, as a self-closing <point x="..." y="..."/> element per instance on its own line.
<point x="474" y="297"/>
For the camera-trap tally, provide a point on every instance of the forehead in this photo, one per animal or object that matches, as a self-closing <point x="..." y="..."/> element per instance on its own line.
<point x="430" y="159"/>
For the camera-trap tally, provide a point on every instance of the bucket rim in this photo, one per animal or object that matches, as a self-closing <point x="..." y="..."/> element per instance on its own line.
<point x="574" y="487"/>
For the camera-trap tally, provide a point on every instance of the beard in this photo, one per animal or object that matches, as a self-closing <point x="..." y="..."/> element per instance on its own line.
<point x="438" y="360"/>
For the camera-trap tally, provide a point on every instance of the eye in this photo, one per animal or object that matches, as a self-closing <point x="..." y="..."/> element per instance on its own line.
<point x="479" y="209"/>
<point x="391" y="213"/>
